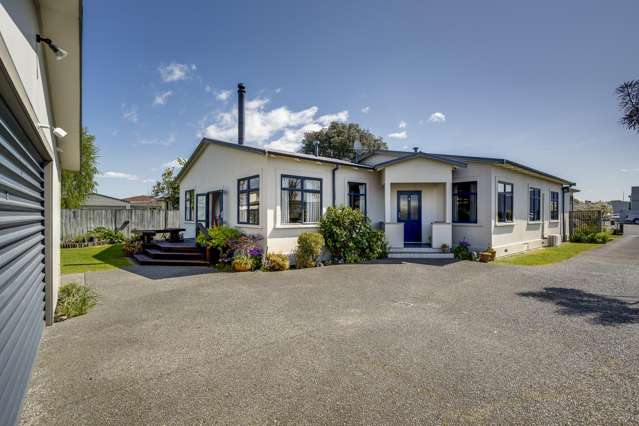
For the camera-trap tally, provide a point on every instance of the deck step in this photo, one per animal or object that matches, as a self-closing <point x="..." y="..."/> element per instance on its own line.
<point x="414" y="250"/>
<point x="144" y="259"/>
<point x="176" y="255"/>
<point x="182" y="247"/>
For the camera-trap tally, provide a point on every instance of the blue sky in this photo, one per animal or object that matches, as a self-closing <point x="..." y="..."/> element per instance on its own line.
<point x="532" y="82"/>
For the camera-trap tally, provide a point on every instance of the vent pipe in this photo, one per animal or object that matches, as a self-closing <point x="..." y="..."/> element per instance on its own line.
<point x="415" y="149"/>
<point x="241" y="90"/>
<point x="316" y="150"/>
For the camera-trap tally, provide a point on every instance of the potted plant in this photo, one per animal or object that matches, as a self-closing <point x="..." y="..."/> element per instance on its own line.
<point x="242" y="263"/>
<point x="487" y="255"/>
<point x="444" y="248"/>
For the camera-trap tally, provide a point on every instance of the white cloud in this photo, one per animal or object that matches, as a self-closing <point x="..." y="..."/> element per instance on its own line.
<point x="176" y="72"/>
<point x="398" y="135"/>
<point x="402" y="124"/>
<point x="327" y="119"/>
<point x="278" y="128"/>
<point x="278" y="90"/>
<point x="130" y="113"/>
<point x="162" y="98"/>
<point x="630" y="170"/>
<point x="118" y="175"/>
<point x="437" y="117"/>
<point x="366" y="109"/>
<point x="162" y="142"/>
<point x="223" y="95"/>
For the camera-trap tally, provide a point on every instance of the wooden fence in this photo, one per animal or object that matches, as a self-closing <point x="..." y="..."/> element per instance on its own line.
<point x="76" y="222"/>
<point x="586" y="221"/>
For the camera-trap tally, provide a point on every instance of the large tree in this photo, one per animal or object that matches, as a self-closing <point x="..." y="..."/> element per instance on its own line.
<point x="167" y="187"/>
<point x="338" y="139"/>
<point x="628" y="95"/>
<point x="76" y="186"/>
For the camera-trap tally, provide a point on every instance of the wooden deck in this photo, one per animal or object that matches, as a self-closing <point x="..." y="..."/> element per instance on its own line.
<point x="162" y="252"/>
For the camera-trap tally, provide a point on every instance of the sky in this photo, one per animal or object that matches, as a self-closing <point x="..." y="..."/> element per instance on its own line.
<point x="532" y="82"/>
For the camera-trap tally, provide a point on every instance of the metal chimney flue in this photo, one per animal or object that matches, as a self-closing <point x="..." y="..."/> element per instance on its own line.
<point x="241" y="90"/>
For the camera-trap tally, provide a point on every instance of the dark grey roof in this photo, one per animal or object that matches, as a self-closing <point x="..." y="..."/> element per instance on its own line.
<point x="263" y="151"/>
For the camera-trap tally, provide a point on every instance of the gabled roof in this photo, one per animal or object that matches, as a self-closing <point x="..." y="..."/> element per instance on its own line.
<point x="415" y="155"/>
<point x="461" y="161"/>
<point x="262" y="151"/>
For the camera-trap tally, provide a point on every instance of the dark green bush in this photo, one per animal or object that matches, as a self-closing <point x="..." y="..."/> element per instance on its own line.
<point x="73" y="300"/>
<point x="593" y="237"/>
<point x="349" y="236"/>
<point x="102" y="233"/>
<point x="309" y="248"/>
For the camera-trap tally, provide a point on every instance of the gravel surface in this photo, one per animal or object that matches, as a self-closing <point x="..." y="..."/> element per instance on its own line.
<point x="452" y="343"/>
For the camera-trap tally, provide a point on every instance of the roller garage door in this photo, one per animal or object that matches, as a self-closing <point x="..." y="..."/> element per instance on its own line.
<point x="21" y="262"/>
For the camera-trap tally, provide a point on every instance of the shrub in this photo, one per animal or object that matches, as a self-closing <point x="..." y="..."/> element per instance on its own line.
<point x="220" y="235"/>
<point x="111" y="236"/>
<point x="244" y="245"/>
<point x="133" y="245"/>
<point x="349" y="236"/>
<point x="462" y="251"/>
<point x="593" y="237"/>
<point x="309" y="248"/>
<point x="242" y="263"/>
<point x="73" y="300"/>
<point x="275" y="262"/>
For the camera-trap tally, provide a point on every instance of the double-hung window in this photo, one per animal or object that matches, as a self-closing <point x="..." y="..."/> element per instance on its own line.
<point x="248" y="200"/>
<point x="554" y="205"/>
<point x="357" y="196"/>
<point x="301" y="199"/>
<point x="504" y="202"/>
<point x="534" y="204"/>
<point x="465" y="202"/>
<point x="189" y="205"/>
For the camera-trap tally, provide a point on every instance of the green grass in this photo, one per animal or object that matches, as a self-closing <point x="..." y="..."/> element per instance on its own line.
<point x="101" y="258"/>
<point x="546" y="256"/>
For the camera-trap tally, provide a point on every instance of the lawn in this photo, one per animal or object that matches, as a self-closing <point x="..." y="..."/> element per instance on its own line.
<point x="87" y="259"/>
<point x="546" y="256"/>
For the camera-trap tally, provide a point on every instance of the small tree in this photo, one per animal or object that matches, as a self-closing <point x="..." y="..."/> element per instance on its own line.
<point x="167" y="187"/>
<point x="628" y="95"/>
<point x="76" y="186"/>
<point x="338" y="141"/>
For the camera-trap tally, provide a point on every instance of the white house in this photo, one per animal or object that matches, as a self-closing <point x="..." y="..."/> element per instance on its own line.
<point x="421" y="200"/>
<point x="40" y="130"/>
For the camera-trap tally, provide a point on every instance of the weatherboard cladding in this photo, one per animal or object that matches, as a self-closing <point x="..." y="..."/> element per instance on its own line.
<point x="22" y="262"/>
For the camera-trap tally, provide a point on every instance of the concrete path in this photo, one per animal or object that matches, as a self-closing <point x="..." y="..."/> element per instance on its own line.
<point x="355" y="344"/>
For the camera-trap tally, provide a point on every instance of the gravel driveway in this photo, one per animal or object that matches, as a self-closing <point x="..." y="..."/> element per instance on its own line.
<point x="365" y="344"/>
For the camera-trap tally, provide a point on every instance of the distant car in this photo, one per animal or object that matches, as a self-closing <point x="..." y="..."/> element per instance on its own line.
<point x="632" y="217"/>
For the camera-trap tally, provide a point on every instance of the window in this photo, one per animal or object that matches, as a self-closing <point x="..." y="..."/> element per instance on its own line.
<point x="504" y="202"/>
<point x="357" y="196"/>
<point x="248" y="200"/>
<point x="301" y="199"/>
<point x="554" y="205"/>
<point x="534" y="205"/>
<point x="189" y="205"/>
<point x="465" y="202"/>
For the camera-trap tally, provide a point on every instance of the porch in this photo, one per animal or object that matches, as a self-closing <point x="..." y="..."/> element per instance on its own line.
<point x="418" y="218"/>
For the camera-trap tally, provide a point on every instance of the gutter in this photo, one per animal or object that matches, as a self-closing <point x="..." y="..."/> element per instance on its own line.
<point x="564" y="190"/>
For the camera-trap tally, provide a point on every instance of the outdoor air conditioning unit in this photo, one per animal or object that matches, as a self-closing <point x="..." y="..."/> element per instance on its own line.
<point x="554" y="240"/>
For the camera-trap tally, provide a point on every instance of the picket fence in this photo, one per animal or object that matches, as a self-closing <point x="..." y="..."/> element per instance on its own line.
<point x="76" y="222"/>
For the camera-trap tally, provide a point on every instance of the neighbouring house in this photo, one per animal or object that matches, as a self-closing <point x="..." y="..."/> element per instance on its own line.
<point x="619" y="206"/>
<point x="40" y="134"/>
<point x="421" y="200"/>
<point x="146" y="202"/>
<point x="634" y="199"/>
<point x="101" y="201"/>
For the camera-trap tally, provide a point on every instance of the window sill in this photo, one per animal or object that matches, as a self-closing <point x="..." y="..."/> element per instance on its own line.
<point x="248" y="225"/>
<point x="189" y="221"/>
<point x="534" y="222"/>
<point x="553" y="221"/>
<point x="504" y="223"/>
<point x="471" y="224"/>
<point x="297" y="225"/>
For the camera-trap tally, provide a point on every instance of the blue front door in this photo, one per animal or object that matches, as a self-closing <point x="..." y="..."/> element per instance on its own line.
<point x="409" y="212"/>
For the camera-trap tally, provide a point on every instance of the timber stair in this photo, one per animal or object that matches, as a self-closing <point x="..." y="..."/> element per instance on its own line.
<point x="184" y="253"/>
